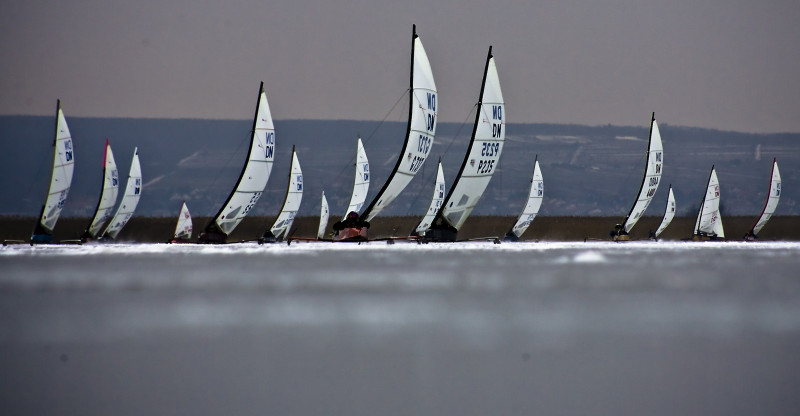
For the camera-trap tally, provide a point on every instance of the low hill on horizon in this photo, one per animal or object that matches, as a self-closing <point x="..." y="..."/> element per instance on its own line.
<point x="588" y="170"/>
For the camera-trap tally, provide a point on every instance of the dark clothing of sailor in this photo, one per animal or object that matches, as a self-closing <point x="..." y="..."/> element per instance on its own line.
<point x="352" y="221"/>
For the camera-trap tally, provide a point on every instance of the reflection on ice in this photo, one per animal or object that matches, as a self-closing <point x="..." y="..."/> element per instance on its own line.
<point x="477" y="290"/>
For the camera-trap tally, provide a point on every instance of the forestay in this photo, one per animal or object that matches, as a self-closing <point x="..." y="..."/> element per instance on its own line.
<point x="484" y="150"/>
<point x="183" y="230"/>
<point x="772" y="199"/>
<point x="652" y="176"/>
<point x="255" y="173"/>
<point x="436" y="203"/>
<point x="108" y="193"/>
<point x="291" y="204"/>
<point x="709" y="220"/>
<point x="669" y="213"/>
<point x="534" y="202"/>
<point x="130" y="199"/>
<point x="61" y="179"/>
<point x="361" y="182"/>
<point x="324" y="214"/>
<point x="422" y="113"/>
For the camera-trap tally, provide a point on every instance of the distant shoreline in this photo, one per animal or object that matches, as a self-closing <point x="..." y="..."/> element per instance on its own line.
<point x="543" y="228"/>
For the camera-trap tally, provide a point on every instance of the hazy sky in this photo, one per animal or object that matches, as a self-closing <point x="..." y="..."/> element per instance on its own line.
<point x="727" y="64"/>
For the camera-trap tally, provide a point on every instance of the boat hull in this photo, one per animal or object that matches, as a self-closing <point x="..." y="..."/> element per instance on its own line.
<point x="212" y="238"/>
<point x="443" y="234"/>
<point x="706" y="237"/>
<point x="41" y="239"/>
<point x="352" y="234"/>
<point x="268" y="238"/>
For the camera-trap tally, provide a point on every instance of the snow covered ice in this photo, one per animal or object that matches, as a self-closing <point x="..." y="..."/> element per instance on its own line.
<point x="451" y="328"/>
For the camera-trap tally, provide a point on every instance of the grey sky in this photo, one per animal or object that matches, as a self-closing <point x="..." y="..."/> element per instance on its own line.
<point x="727" y="64"/>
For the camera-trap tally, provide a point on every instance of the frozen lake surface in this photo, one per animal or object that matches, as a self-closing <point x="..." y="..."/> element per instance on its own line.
<point x="467" y="328"/>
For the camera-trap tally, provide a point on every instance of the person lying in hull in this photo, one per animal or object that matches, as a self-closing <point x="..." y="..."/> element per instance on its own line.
<point x="351" y="221"/>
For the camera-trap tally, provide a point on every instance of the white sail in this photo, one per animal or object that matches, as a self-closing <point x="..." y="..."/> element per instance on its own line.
<point x="436" y="203"/>
<point x="652" y="176"/>
<point x="361" y="183"/>
<point x="669" y="213"/>
<point x="709" y="221"/>
<point x="60" y="181"/>
<point x="130" y="199"/>
<point x="422" y="115"/>
<point x="484" y="151"/>
<point x="291" y="204"/>
<point x="255" y="173"/>
<point x="324" y="214"/>
<point x="183" y="230"/>
<point x="533" y="204"/>
<point x="108" y="194"/>
<point x="772" y="199"/>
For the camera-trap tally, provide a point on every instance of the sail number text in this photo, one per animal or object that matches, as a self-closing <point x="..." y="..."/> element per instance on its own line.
<point x="497" y="114"/>
<point x="269" y="148"/>
<point x="652" y="186"/>
<point x="490" y="149"/>
<point x="431" y="119"/>
<point x="68" y="150"/>
<point x="416" y="163"/>
<point x="485" y="166"/>
<point x="250" y="205"/>
<point x="424" y="144"/>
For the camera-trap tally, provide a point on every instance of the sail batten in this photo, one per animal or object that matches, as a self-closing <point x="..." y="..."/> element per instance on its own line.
<point x="130" y="199"/>
<point x="420" y="133"/>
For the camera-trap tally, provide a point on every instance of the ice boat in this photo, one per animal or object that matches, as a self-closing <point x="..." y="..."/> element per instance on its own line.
<point x="357" y="198"/>
<point x="436" y="204"/>
<point x="770" y="204"/>
<point x="422" y="113"/>
<point x="183" y="229"/>
<point x="652" y="176"/>
<point x="669" y="214"/>
<point x="60" y="181"/>
<point x="709" y="221"/>
<point x="130" y="199"/>
<point x="252" y="180"/>
<point x="480" y="161"/>
<point x="324" y="214"/>
<point x="531" y="207"/>
<point x="291" y="204"/>
<point x="108" y="196"/>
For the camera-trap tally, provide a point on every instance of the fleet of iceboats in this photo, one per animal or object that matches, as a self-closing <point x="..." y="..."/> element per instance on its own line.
<point x="448" y="211"/>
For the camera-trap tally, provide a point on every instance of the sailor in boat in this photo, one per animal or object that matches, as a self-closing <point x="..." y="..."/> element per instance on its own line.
<point x="617" y="232"/>
<point x="351" y="226"/>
